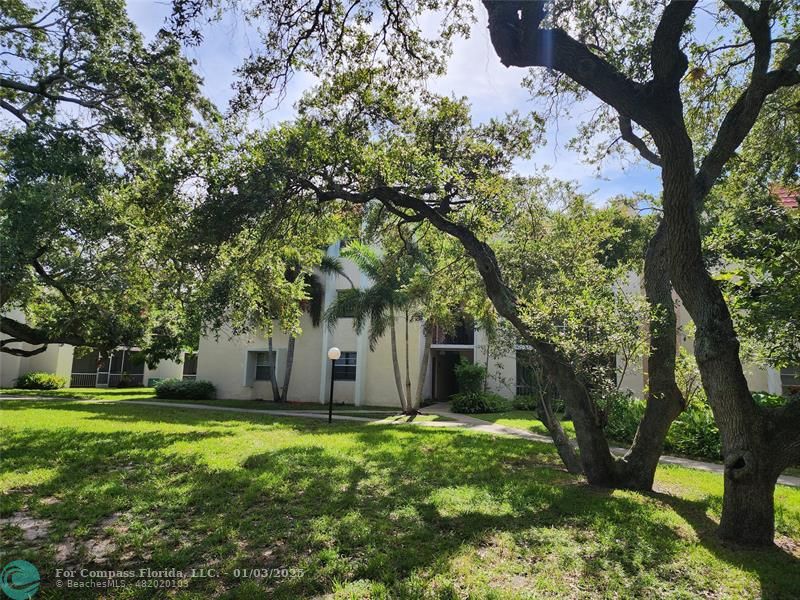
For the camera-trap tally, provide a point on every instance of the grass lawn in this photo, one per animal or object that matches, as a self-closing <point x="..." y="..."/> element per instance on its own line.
<point x="354" y="511"/>
<point x="126" y="394"/>
<point x="523" y="419"/>
<point x="143" y="393"/>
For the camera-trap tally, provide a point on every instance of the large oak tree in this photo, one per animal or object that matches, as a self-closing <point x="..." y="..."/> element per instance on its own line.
<point x="94" y="126"/>
<point x="633" y="59"/>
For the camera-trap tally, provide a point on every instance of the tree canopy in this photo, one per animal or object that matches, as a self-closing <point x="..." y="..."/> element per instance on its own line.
<point x="682" y="99"/>
<point x="94" y="160"/>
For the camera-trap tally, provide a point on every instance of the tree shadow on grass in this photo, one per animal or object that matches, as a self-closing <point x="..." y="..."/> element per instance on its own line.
<point x="391" y="506"/>
<point x="777" y="570"/>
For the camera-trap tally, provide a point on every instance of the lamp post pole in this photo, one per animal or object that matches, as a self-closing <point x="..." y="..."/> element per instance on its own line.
<point x="330" y="399"/>
<point x="334" y="354"/>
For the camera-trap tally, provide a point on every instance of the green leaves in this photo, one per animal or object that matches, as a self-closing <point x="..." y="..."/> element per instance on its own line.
<point x="753" y="241"/>
<point x="568" y="262"/>
<point x="86" y="58"/>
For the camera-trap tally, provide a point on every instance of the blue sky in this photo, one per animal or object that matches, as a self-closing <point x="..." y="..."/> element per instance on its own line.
<point x="474" y="72"/>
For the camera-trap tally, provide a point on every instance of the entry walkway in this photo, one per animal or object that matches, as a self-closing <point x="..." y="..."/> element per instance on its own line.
<point x="457" y="420"/>
<point x="443" y="409"/>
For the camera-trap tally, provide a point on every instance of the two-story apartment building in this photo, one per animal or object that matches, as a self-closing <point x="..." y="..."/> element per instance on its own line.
<point x="240" y="366"/>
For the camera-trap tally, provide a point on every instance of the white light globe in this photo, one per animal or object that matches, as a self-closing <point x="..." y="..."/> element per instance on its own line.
<point x="334" y="353"/>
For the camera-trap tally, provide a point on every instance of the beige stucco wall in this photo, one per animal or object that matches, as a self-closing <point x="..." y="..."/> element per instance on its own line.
<point x="381" y="389"/>
<point x="501" y="368"/>
<point x="56" y="359"/>
<point x="222" y="359"/>
<point x="9" y="369"/>
<point x="165" y="369"/>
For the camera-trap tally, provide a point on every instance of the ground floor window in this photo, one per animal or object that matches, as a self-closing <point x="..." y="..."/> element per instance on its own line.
<point x="190" y="366"/>
<point x="790" y="381"/>
<point x="525" y="374"/>
<point x="264" y="366"/>
<point x="344" y="369"/>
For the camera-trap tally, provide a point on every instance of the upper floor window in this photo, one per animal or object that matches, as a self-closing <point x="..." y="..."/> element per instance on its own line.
<point x="463" y="334"/>
<point x="344" y="369"/>
<point x="345" y="300"/>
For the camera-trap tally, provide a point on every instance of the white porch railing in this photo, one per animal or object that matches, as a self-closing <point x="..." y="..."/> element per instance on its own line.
<point x="83" y="380"/>
<point x="104" y="379"/>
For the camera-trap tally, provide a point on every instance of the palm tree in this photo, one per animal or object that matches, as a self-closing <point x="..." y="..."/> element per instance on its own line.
<point x="315" y="291"/>
<point x="376" y="307"/>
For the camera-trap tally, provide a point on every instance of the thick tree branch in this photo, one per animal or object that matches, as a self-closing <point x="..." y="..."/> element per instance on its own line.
<point x="519" y="42"/>
<point x="757" y="23"/>
<point x="626" y="130"/>
<point x="50" y="280"/>
<point x="743" y="114"/>
<point x="41" y="89"/>
<point x="14" y="111"/>
<point x="31" y="335"/>
<point x="668" y="61"/>
<point x="22" y="353"/>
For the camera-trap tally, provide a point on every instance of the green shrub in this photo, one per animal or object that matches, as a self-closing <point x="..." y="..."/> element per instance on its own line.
<point x="38" y="380"/>
<point x="695" y="433"/>
<point x="470" y="376"/>
<point x="765" y="399"/>
<point x="525" y="403"/>
<point x="479" y="402"/>
<point x="179" y="389"/>
<point x="623" y="413"/>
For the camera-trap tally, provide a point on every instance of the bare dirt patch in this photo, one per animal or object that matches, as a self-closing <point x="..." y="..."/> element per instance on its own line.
<point x="32" y="528"/>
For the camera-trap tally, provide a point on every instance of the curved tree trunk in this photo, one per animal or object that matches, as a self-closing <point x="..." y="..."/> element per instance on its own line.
<point x="287" y="373"/>
<point x="398" y="378"/>
<point x="423" y="366"/>
<point x="273" y="380"/>
<point x="756" y="443"/>
<point x="664" y="399"/>
<point x="560" y="439"/>
<point x="595" y="455"/>
<point x="596" y="458"/>
<point x="753" y="451"/>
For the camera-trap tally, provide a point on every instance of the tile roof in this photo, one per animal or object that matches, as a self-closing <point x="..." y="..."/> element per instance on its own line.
<point x="786" y="198"/>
